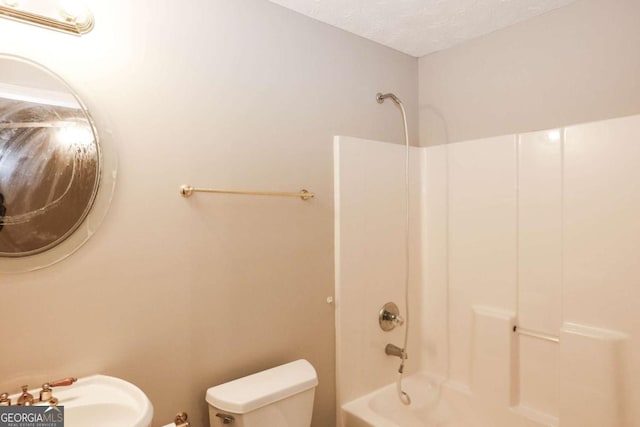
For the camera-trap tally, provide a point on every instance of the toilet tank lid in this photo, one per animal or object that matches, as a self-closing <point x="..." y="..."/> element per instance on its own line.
<point x="255" y="391"/>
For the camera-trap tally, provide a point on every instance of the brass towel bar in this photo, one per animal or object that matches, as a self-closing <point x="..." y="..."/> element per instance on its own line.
<point x="187" y="191"/>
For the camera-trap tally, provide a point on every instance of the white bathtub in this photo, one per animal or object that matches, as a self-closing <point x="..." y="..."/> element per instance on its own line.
<point x="434" y="406"/>
<point x="382" y="408"/>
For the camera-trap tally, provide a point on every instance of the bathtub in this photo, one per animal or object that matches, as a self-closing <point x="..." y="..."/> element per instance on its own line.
<point x="435" y="404"/>
<point x="382" y="408"/>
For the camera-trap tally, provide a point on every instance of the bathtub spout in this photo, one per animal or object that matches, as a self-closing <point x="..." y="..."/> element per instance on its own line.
<point x="394" y="350"/>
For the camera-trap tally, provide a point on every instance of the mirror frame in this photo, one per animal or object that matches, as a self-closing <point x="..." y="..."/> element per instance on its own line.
<point x="107" y="173"/>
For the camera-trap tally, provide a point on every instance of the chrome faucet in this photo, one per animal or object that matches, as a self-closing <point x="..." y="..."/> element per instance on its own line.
<point x="389" y="317"/>
<point x="394" y="350"/>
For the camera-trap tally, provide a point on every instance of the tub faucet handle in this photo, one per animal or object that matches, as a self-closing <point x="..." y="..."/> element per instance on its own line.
<point x="397" y="319"/>
<point x="389" y="317"/>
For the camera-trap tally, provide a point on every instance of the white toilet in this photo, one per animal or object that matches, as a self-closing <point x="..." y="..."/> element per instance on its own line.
<point x="278" y="397"/>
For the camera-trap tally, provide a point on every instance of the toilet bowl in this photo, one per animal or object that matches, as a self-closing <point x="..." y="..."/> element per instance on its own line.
<point x="278" y="397"/>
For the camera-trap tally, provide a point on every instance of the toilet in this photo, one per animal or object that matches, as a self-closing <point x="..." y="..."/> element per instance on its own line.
<point x="278" y="397"/>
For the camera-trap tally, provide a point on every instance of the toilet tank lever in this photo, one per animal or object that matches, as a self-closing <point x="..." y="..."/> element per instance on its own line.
<point x="226" y="419"/>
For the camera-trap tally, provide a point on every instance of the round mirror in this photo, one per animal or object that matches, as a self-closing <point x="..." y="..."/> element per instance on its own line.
<point x="52" y="166"/>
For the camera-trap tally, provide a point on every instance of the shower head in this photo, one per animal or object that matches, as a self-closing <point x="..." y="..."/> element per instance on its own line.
<point x="381" y="97"/>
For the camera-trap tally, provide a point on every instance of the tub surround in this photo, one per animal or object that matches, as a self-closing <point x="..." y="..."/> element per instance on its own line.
<point x="369" y="233"/>
<point x="541" y="234"/>
<point x="547" y="236"/>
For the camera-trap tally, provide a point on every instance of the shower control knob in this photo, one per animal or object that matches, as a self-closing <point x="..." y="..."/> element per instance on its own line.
<point x="389" y="317"/>
<point x="397" y="320"/>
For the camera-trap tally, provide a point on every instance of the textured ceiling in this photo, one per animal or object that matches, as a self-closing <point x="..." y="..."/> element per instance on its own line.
<point x="420" y="27"/>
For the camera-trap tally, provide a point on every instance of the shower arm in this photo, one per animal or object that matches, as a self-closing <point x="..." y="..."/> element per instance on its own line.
<point x="380" y="97"/>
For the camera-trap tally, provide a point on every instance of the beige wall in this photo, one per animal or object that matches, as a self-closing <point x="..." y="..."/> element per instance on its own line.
<point x="177" y="295"/>
<point x="573" y="65"/>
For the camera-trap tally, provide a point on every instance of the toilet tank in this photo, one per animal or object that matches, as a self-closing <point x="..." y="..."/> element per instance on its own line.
<point x="278" y="397"/>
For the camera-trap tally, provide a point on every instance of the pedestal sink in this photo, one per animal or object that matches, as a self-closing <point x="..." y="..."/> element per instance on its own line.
<point x="103" y="401"/>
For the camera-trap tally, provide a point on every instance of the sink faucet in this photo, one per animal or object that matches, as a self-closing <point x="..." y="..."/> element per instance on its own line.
<point x="26" y="398"/>
<point x="46" y="394"/>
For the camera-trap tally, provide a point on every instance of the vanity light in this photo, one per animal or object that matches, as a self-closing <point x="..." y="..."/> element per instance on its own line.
<point x="74" y="16"/>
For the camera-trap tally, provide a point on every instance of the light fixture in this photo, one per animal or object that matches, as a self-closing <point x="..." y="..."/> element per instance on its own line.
<point x="11" y="3"/>
<point x="74" y="19"/>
